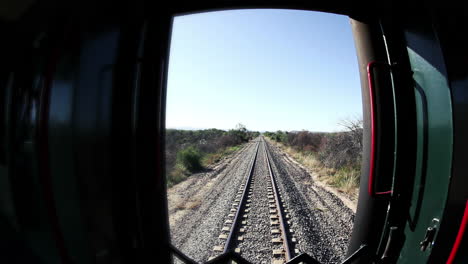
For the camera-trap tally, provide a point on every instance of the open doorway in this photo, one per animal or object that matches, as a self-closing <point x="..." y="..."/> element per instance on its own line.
<point x="264" y="135"/>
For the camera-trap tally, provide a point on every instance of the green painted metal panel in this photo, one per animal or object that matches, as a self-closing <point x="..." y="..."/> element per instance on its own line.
<point x="434" y="142"/>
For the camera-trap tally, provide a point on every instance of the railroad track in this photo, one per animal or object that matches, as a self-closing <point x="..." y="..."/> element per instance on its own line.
<point x="259" y="215"/>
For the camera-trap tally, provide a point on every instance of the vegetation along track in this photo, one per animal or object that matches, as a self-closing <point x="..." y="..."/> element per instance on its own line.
<point x="273" y="212"/>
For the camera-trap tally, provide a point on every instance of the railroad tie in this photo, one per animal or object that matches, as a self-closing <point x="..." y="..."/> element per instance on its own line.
<point x="278" y="252"/>
<point x="275" y="231"/>
<point x="218" y="249"/>
<point x="278" y="261"/>
<point x="277" y="240"/>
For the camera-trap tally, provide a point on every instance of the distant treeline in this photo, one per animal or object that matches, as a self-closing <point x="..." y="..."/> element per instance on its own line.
<point x="189" y="151"/>
<point x="335" y="150"/>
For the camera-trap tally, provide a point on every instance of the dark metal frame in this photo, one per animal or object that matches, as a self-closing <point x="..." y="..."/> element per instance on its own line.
<point x="117" y="157"/>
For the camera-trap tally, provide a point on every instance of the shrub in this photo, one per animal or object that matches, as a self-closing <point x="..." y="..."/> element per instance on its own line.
<point x="278" y="136"/>
<point x="190" y="158"/>
<point x="306" y="141"/>
<point x="178" y="174"/>
<point x="189" y="151"/>
<point x="227" y="140"/>
<point x="240" y="134"/>
<point x="340" y="150"/>
<point x="338" y="154"/>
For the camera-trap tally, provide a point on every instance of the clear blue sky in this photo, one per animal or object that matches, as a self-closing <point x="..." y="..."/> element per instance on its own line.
<point x="267" y="69"/>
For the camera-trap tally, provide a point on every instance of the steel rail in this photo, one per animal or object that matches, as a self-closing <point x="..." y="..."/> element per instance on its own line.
<point x="235" y="223"/>
<point x="280" y="208"/>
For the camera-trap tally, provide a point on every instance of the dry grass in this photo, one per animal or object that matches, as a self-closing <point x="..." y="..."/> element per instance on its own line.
<point x="192" y="204"/>
<point x="180" y="206"/>
<point x="345" y="180"/>
<point x="213" y="158"/>
<point x="178" y="174"/>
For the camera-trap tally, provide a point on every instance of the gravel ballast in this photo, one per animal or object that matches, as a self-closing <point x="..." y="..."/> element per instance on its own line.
<point x="321" y="221"/>
<point x="196" y="231"/>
